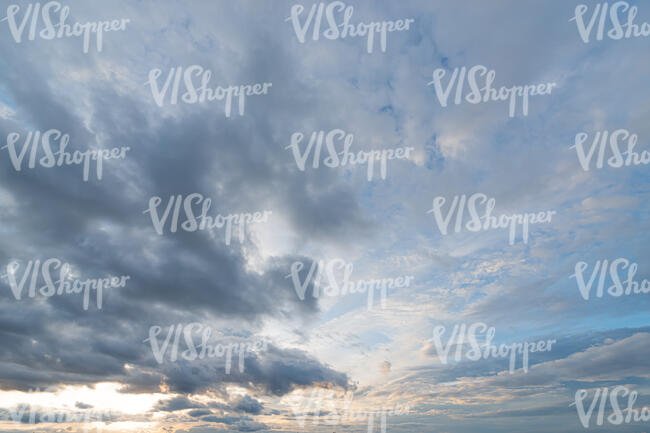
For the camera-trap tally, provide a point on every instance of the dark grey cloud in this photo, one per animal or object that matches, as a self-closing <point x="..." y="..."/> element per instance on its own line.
<point x="177" y="403"/>
<point x="249" y="405"/>
<point x="99" y="226"/>
<point x="620" y="354"/>
<point x="199" y="412"/>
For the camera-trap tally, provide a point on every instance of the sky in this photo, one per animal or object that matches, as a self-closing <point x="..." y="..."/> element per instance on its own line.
<point x="305" y="356"/>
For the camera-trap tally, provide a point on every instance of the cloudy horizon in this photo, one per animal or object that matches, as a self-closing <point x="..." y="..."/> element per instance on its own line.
<point x="338" y="233"/>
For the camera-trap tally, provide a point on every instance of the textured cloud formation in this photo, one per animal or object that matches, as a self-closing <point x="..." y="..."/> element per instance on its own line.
<point x="240" y="288"/>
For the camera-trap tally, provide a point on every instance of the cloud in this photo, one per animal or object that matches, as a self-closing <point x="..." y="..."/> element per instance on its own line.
<point x="249" y="405"/>
<point x="177" y="403"/>
<point x="241" y="163"/>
